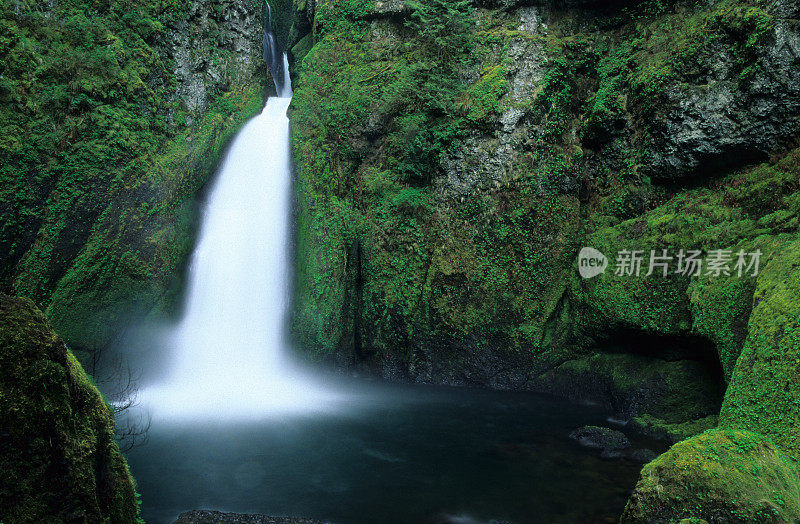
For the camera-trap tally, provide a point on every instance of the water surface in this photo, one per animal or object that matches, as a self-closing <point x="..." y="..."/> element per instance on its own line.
<point x="403" y="454"/>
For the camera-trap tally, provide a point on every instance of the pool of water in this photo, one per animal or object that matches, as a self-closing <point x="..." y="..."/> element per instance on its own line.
<point x="405" y="455"/>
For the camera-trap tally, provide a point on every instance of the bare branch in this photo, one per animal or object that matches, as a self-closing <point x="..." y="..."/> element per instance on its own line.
<point x="121" y="386"/>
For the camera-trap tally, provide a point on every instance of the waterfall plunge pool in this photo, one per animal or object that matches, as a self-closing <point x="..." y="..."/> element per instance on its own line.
<point x="238" y="427"/>
<point x="403" y="454"/>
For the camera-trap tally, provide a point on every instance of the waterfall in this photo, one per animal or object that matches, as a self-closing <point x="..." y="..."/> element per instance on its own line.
<point x="275" y="58"/>
<point x="228" y="353"/>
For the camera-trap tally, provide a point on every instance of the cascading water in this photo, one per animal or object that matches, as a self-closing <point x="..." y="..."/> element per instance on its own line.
<point x="275" y="59"/>
<point x="229" y="352"/>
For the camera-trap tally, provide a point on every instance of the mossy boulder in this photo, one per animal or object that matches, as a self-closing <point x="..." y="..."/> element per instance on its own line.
<point x="58" y="456"/>
<point x="719" y="476"/>
<point x="764" y="393"/>
<point x="609" y="441"/>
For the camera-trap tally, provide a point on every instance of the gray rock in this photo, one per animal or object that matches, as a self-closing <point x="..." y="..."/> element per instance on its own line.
<point x="784" y="8"/>
<point x="203" y="70"/>
<point x="435" y="363"/>
<point x="719" y="121"/>
<point x="485" y="159"/>
<point x="610" y="441"/>
<point x="390" y="7"/>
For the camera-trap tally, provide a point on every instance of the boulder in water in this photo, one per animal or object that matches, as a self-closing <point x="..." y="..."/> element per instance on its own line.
<point x="610" y="441"/>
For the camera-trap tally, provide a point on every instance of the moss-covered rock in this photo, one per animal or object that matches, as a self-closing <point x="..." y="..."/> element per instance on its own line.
<point x="673" y="430"/>
<point x="597" y="437"/>
<point x="441" y="208"/>
<point x="764" y="393"/>
<point x="58" y="455"/>
<point x="720" y="476"/>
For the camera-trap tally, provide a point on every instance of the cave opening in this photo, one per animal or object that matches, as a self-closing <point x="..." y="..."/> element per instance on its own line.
<point x="670" y="348"/>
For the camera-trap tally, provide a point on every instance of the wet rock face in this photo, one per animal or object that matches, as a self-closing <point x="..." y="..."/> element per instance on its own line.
<point x="434" y="362"/>
<point x="712" y="118"/>
<point x="721" y="118"/>
<point x="486" y="158"/>
<point x="215" y="45"/>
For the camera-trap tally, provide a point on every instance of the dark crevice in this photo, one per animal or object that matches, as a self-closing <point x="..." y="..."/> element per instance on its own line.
<point x="351" y="343"/>
<point x="666" y="347"/>
<point x="711" y="167"/>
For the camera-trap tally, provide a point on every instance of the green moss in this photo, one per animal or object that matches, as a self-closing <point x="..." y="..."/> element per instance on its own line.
<point x="703" y="219"/>
<point x="667" y="46"/>
<point x="379" y="207"/>
<point x="482" y="99"/>
<point x="302" y="47"/>
<point x="763" y="393"/>
<point x="130" y="264"/>
<point x="674" y="431"/>
<point x="718" y="476"/>
<point x="80" y="86"/>
<point x="59" y="458"/>
<point x="721" y="306"/>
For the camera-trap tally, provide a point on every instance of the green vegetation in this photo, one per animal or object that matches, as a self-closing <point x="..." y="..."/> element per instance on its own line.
<point x="736" y="215"/>
<point x="427" y="267"/>
<point x="134" y="256"/>
<point x="390" y="145"/>
<point x="764" y="393"/>
<point x="667" y="399"/>
<point x="59" y="458"/>
<point x="718" y="476"/>
<point x="100" y="167"/>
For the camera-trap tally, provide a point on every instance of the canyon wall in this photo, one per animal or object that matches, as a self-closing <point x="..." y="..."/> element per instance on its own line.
<point x="453" y="158"/>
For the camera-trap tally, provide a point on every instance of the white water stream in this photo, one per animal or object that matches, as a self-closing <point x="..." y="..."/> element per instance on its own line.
<point x="228" y="354"/>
